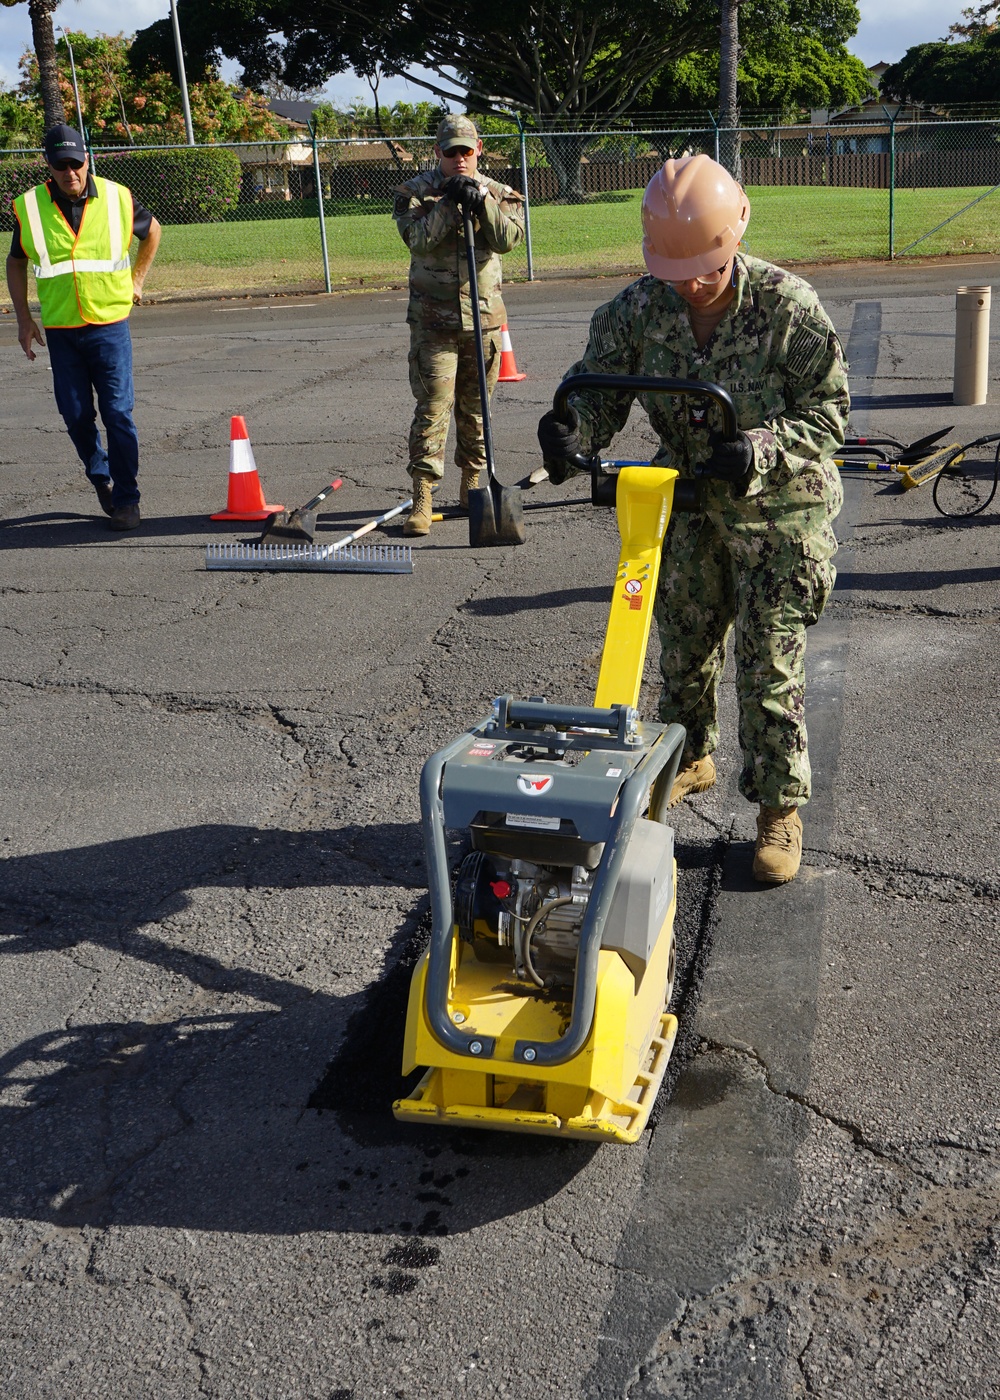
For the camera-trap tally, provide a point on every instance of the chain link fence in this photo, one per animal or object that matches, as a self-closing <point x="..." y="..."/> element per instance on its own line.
<point x="247" y="219"/>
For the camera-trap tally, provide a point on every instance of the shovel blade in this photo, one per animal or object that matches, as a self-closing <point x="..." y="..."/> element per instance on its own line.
<point x="496" y="517"/>
<point x="297" y="525"/>
<point x="918" y="450"/>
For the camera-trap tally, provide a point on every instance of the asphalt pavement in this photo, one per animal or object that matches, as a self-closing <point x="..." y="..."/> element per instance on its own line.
<point x="212" y="891"/>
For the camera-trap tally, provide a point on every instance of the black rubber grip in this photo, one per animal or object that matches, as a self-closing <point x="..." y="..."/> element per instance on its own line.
<point x="564" y="716"/>
<point x="650" y="384"/>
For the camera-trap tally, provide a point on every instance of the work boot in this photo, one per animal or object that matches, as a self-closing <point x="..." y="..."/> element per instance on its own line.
<point x="125" y="518"/>
<point x="102" y="485"/>
<point x="418" y="522"/>
<point x="696" y="776"/>
<point x="778" y="852"/>
<point x="470" y="482"/>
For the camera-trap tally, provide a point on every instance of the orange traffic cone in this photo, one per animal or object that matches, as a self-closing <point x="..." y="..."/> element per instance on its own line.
<point x="508" y="365"/>
<point x="246" y="498"/>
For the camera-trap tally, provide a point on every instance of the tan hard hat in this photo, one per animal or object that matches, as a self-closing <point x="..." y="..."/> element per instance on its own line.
<point x="693" y="217"/>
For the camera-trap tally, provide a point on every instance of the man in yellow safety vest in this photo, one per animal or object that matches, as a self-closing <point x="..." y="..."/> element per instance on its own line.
<point x="75" y="230"/>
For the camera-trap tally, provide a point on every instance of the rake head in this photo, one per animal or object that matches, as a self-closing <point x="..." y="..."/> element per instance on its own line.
<point x="352" y="559"/>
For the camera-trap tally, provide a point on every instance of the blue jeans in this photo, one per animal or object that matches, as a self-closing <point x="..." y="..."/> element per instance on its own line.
<point x="89" y="359"/>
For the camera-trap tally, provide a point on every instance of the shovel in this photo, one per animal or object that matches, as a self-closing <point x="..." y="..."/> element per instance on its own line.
<point x="901" y="453"/>
<point x="496" y="513"/>
<point x="297" y="524"/>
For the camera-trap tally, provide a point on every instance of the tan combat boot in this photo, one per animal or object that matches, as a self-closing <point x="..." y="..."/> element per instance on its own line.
<point x="778" y="852"/>
<point x="418" y="522"/>
<point x="470" y="482"/>
<point x="697" y="776"/>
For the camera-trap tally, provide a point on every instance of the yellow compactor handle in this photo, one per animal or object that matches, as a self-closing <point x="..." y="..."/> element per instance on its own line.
<point x="644" y="499"/>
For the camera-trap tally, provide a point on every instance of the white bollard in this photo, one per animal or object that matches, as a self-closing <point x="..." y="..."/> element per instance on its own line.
<point x="972" y="344"/>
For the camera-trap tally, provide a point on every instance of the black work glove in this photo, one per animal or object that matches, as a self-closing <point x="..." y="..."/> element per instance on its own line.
<point x="559" y="439"/>
<point x="465" y="192"/>
<point x="730" y="461"/>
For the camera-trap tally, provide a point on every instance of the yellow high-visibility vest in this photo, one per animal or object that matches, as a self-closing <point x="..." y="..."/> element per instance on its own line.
<point x="83" y="278"/>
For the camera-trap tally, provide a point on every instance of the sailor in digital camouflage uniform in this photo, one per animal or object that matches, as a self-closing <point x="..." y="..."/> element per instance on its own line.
<point x="758" y="557"/>
<point x="442" y="343"/>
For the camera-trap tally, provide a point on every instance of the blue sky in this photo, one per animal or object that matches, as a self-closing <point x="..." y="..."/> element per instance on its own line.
<point x="888" y="28"/>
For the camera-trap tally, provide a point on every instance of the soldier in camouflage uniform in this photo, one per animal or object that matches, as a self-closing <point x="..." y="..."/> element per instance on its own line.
<point x="758" y="557"/>
<point x="443" y="367"/>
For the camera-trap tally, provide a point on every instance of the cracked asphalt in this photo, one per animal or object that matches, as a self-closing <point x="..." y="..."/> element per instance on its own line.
<point x="212" y="891"/>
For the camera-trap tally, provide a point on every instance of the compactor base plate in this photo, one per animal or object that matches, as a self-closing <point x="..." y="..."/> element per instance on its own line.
<point x="523" y="1111"/>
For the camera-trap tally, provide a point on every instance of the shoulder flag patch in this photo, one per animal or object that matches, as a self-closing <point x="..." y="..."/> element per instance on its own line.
<point x="804" y="349"/>
<point x="602" y="332"/>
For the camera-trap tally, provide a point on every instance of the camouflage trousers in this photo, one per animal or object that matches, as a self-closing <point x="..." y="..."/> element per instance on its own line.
<point x="443" y="372"/>
<point x="768" y="596"/>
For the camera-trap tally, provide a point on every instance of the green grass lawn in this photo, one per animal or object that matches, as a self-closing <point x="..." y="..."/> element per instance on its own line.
<point x="788" y="224"/>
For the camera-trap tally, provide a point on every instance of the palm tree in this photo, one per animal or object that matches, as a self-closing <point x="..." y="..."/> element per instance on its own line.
<point x="729" y="107"/>
<point x="44" y="42"/>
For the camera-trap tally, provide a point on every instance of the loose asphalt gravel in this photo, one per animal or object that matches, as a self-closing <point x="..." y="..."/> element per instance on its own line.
<point x="213" y="889"/>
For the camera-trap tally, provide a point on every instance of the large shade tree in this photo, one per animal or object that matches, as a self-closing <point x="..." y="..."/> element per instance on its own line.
<point x="801" y="75"/>
<point x="566" y="67"/>
<point x="560" y="62"/>
<point x="778" y="58"/>
<point x="562" y="66"/>
<point x="946" y="75"/>
<point x="962" y="67"/>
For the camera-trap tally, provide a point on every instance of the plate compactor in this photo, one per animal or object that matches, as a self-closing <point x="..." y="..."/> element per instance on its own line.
<point x="541" y="1002"/>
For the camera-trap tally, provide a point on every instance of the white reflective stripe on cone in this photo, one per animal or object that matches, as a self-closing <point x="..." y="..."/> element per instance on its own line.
<point x="241" y="456"/>
<point x="505" y="339"/>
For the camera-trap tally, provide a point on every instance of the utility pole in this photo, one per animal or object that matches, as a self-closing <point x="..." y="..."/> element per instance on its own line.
<point x="76" y="90"/>
<point x="181" y="77"/>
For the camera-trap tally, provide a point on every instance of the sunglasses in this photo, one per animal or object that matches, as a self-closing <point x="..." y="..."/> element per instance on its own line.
<point x="707" y="279"/>
<point x="62" y="165"/>
<point x="459" y="151"/>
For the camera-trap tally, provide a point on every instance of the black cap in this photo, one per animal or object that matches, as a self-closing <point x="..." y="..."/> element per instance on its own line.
<point x="64" y="143"/>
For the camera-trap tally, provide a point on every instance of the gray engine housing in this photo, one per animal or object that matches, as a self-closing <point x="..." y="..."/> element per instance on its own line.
<point x="643" y="895"/>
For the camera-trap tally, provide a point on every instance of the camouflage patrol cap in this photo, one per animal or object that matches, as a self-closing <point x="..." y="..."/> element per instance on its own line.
<point x="456" y="130"/>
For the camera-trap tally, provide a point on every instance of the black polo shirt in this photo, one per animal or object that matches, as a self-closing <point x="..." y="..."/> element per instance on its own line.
<point x="72" y="210"/>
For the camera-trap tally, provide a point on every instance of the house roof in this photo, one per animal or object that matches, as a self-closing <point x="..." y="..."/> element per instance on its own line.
<point x="369" y="151"/>
<point x="297" y="111"/>
<point x="875" y="110"/>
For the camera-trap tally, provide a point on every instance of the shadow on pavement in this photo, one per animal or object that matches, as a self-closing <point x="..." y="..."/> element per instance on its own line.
<point x="56" y="528"/>
<point x="199" y="1116"/>
<point x="863" y="402"/>
<point x="958" y="522"/>
<point x="561" y="598"/>
<point x="917" y="580"/>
